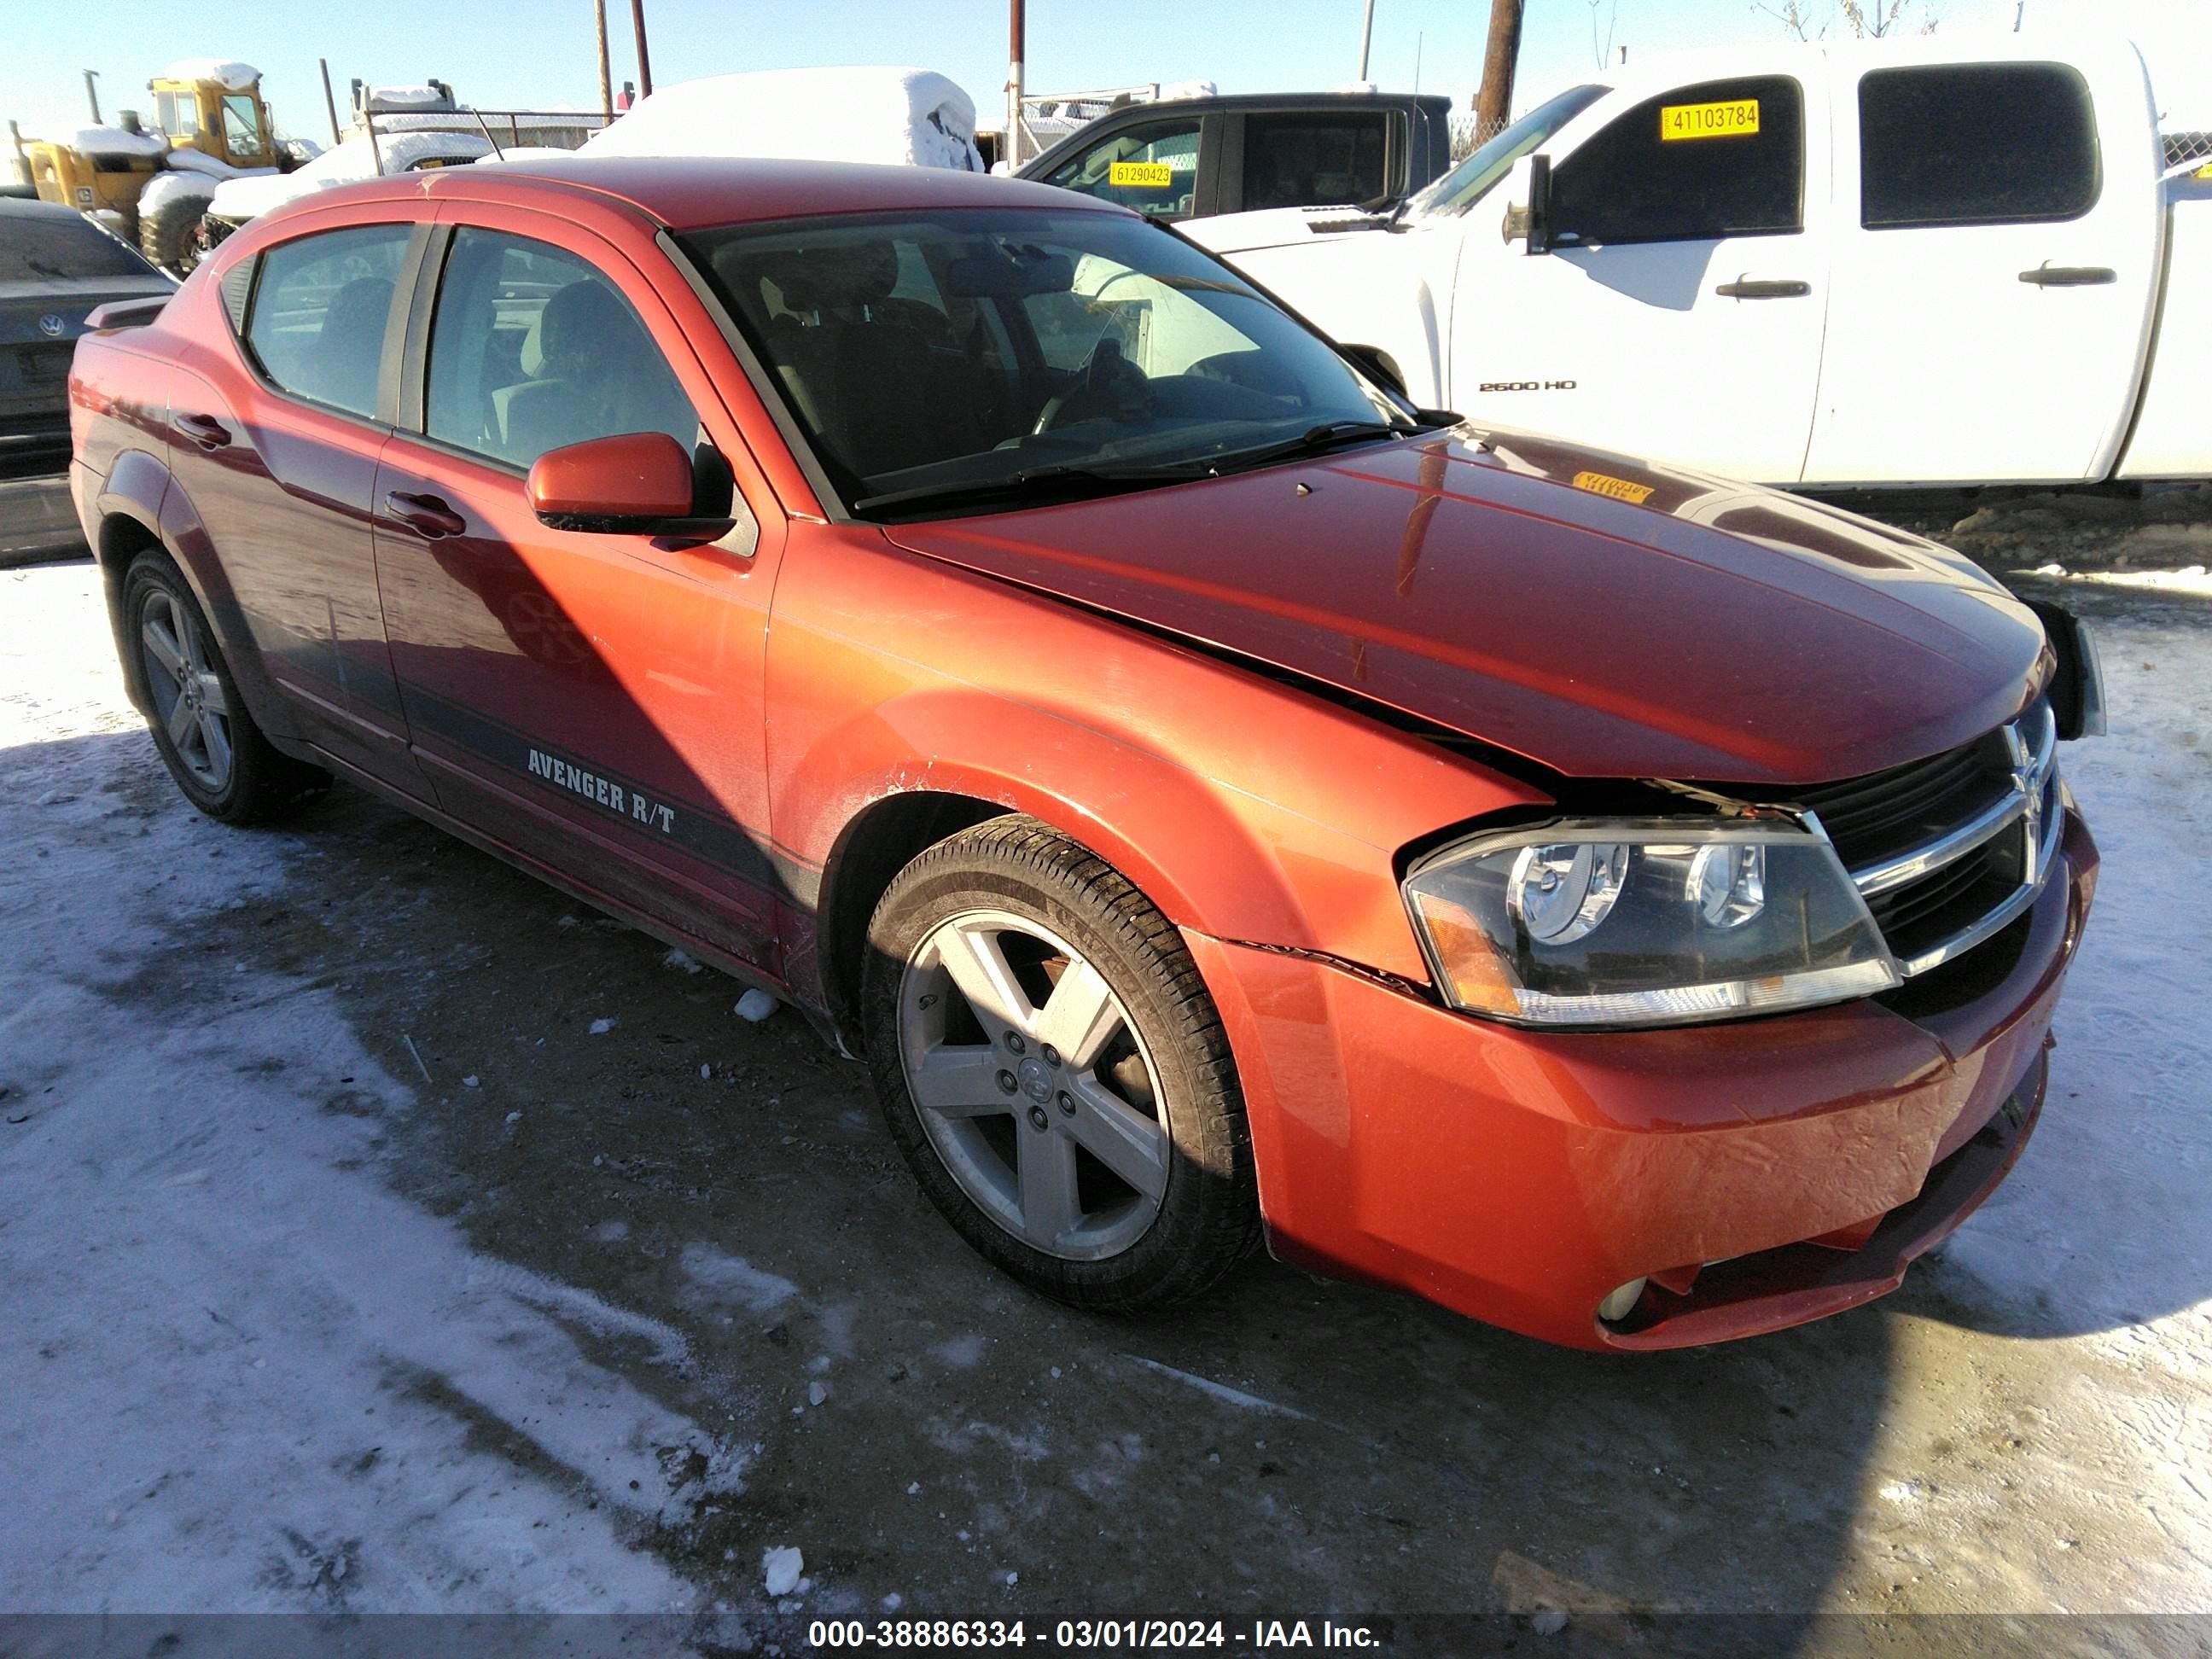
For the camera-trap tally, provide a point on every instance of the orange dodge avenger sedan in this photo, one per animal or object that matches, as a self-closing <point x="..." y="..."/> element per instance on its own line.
<point x="1218" y="798"/>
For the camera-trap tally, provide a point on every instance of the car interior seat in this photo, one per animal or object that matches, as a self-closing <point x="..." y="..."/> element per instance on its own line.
<point x="342" y="367"/>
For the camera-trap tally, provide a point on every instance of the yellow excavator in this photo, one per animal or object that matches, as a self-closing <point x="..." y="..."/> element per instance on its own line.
<point x="153" y="184"/>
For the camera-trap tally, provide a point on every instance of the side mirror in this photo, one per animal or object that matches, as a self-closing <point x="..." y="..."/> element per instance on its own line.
<point x="640" y="483"/>
<point x="1533" y="224"/>
<point x="1380" y="364"/>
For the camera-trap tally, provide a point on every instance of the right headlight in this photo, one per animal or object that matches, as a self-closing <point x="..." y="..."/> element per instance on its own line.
<point x="1651" y="921"/>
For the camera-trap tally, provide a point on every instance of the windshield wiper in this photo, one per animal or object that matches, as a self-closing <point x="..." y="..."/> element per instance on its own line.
<point x="1058" y="476"/>
<point x="1312" y="441"/>
<point x="1053" y="479"/>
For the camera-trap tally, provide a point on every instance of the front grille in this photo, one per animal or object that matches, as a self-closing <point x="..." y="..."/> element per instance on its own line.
<point x="1948" y="850"/>
<point x="1880" y="815"/>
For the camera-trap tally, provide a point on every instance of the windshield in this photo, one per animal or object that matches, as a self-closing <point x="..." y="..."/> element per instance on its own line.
<point x="43" y="246"/>
<point x="961" y="354"/>
<point x="1477" y="176"/>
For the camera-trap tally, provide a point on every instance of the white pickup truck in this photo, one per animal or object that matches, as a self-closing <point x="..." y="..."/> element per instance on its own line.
<point x="1931" y="263"/>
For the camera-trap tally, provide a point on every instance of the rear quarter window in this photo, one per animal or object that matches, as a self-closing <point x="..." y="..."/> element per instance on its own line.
<point x="1976" y="144"/>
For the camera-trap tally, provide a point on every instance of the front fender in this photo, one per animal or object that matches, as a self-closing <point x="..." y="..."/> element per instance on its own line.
<point x="1245" y="808"/>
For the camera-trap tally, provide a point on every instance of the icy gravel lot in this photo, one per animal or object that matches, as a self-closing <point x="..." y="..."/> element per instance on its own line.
<point x="378" y="1231"/>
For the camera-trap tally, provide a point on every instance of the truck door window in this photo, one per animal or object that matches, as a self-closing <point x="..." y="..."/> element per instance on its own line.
<point x="1722" y="158"/>
<point x="319" y="309"/>
<point x="1151" y="168"/>
<point x="531" y="349"/>
<point x="1976" y="144"/>
<point x="242" y="125"/>
<point x="1317" y="158"/>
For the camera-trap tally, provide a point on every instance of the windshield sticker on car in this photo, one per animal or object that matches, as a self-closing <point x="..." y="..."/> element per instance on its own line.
<point x="1620" y="489"/>
<point x="1141" y="175"/>
<point x="1734" y="117"/>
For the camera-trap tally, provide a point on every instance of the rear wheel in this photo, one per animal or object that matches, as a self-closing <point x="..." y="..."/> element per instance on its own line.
<point x="201" y="725"/>
<point x="1051" y="1067"/>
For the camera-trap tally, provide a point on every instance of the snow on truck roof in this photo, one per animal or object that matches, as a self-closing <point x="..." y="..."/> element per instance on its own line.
<point x="231" y="74"/>
<point x="899" y="116"/>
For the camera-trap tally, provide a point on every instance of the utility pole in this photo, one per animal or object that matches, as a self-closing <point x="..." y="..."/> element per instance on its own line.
<point x="92" y="93"/>
<point x="644" y="61"/>
<point x="330" y="100"/>
<point x="606" y="70"/>
<point x="1493" y="99"/>
<point x="1017" y="28"/>
<point x="1366" y="38"/>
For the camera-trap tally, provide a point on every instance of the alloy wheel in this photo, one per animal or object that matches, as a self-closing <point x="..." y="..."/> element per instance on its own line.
<point x="189" y="701"/>
<point x="1033" y="1085"/>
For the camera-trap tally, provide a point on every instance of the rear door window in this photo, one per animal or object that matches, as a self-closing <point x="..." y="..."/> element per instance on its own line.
<point x="1976" y="144"/>
<point x="320" y="310"/>
<point x="1722" y="158"/>
<point x="532" y="349"/>
<point x="1317" y="158"/>
<point x="1152" y="168"/>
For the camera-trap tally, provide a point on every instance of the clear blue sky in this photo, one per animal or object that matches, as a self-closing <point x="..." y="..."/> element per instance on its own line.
<point x="505" y="52"/>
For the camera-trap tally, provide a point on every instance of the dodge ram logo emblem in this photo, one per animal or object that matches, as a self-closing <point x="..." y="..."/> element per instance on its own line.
<point x="52" y="325"/>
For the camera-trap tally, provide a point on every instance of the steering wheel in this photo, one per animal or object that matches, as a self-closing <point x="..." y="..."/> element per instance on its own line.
<point x="1094" y="382"/>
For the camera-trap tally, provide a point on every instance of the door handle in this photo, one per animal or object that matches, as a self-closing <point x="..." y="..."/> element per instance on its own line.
<point x="1782" y="288"/>
<point x="205" y="430"/>
<point x="426" y="515"/>
<point x="2049" y="275"/>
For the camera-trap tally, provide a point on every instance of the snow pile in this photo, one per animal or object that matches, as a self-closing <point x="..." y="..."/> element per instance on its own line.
<point x="381" y="99"/>
<point x="114" y="141"/>
<point x="188" y="160"/>
<point x="779" y="1570"/>
<point x="901" y="117"/>
<point x="350" y="162"/>
<point x="165" y="188"/>
<point x="228" y="73"/>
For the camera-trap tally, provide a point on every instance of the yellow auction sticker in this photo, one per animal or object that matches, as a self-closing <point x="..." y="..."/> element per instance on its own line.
<point x="1737" y="118"/>
<point x="1620" y="489"/>
<point x="1141" y="175"/>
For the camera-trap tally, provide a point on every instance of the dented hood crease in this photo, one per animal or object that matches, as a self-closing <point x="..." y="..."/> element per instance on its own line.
<point x="1599" y="615"/>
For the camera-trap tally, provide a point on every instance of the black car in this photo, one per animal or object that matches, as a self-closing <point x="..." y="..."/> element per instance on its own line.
<point x="1192" y="158"/>
<point x="57" y="266"/>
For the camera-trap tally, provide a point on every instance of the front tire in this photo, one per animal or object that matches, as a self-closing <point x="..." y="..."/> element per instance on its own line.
<point x="201" y="725"/>
<point x="1054" y="1073"/>
<point x="170" y="235"/>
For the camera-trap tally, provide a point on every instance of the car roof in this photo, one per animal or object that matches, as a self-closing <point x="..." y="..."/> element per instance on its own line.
<point x="20" y="207"/>
<point x="693" y="192"/>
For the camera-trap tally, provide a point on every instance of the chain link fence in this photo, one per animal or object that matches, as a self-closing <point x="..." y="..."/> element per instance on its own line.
<point x="1469" y="134"/>
<point x="2187" y="150"/>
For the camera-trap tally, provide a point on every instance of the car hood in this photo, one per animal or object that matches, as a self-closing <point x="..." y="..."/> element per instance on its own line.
<point x="1600" y="616"/>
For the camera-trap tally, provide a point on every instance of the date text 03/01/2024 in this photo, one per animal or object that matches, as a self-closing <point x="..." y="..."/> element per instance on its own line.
<point x="1086" y="1634"/>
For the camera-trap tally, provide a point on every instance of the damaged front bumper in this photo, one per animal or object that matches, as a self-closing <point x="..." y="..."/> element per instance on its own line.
<point x="1521" y="1177"/>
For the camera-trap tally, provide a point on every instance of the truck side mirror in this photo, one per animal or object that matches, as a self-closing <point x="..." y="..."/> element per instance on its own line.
<point x="1533" y="224"/>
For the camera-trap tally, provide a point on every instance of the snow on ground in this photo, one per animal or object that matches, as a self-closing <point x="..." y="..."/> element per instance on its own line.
<point x="241" y="1374"/>
<point x="243" y="1370"/>
<point x="2117" y="1255"/>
